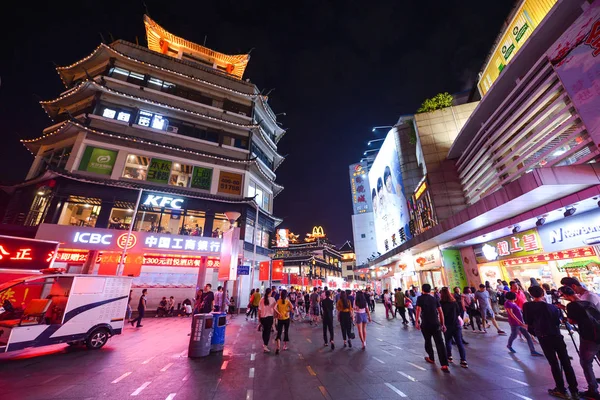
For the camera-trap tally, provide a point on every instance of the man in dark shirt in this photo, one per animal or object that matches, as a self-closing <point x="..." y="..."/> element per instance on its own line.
<point x="327" y="309"/>
<point x="431" y="325"/>
<point x="543" y="321"/>
<point x="589" y="349"/>
<point x="207" y="300"/>
<point x="141" y="309"/>
<point x="367" y="294"/>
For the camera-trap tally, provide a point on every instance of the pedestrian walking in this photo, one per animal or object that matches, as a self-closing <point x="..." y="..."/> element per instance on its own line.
<point x="517" y="325"/>
<point x="327" y="307"/>
<point x="345" y="310"/>
<point x="207" y="300"/>
<point x="587" y="317"/>
<point x="363" y="314"/>
<point x="314" y="307"/>
<point x="387" y="303"/>
<point x="430" y="320"/>
<point x="249" y="307"/>
<point x="493" y="297"/>
<point x="453" y="322"/>
<point x="283" y="307"/>
<point x="399" y="300"/>
<point x="129" y="311"/>
<point x="266" y="311"/>
<point x="141" y="310"/>
<point x="219" y="299"/>
<point x="543" y="320"/>
<point x="255" y="303"/>
<point x="470" y="305"/>
<point x="485" y="308"/>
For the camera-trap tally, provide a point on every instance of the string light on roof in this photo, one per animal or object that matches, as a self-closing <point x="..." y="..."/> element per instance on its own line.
<point x="146" y="64"/>
<point x="137" y="140"/>
<point x="153" y="102"/>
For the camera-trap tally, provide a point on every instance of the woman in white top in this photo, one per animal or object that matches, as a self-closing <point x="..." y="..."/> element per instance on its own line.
<point x="266" y="310"/>
<point x="361" y="310"/>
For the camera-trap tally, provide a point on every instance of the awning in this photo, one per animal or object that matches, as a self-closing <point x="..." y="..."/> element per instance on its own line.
<point x="582" y="264"/>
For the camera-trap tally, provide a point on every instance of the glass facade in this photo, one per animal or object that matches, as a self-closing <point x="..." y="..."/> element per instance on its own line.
<point x="80" y="211"/>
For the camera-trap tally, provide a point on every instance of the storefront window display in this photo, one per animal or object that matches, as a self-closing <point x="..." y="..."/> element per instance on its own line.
<point x="136" y="167"/>
<point x="80" y="211"/>
<point x="193" y="223"/>
<point x="152" y="220"/>
<point x="120" y="218"/>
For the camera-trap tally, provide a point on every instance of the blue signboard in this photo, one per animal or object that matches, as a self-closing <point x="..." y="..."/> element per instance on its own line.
<point x="243" y="270"/>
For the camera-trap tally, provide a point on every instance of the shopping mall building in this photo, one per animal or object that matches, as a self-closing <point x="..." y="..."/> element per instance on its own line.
<point x="508" y="186"/>
<point x="172" y="131"/>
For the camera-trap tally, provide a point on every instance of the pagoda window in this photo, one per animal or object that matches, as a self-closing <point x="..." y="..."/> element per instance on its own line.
<point x="135" y="78"/>
<point x="238" y="108"/>
<point x="119" y="73"/>
<point x="109" y="113"/>
<point x="80" y="211"/>
<point x="136" y="167"/>
<point x="181" y="175"/>
<point x="263" y="198"/>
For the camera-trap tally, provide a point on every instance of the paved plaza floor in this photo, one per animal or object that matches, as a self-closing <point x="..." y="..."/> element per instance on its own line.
<point x="152" y="363"/>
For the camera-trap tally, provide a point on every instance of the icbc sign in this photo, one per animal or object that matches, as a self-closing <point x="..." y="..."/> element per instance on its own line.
<point x="122" y="241"/>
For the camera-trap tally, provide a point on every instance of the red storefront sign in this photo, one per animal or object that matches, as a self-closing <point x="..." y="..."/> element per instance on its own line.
<point x="169" y="261"/>
<point x="19" y="253"/>
<point x="73" y="256"/>
<point x="557" y="255"/>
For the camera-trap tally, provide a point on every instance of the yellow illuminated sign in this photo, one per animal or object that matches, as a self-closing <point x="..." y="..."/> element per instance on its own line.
<point x="527" y="17"/>
<point x="420" y="190"/>
<point x="317" y="232"/>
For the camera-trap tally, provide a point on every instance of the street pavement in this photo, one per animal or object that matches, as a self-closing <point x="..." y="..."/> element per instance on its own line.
<point x="151" y="363"/>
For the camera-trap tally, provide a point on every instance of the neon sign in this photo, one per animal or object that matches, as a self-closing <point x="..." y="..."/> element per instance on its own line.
<point x="152" y="200"/>
<point x="19" y="253"/>
<point x="92" y="238"/>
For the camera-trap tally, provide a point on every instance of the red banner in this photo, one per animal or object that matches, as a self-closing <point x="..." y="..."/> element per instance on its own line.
<point x="263" y="271"/>
<point x="277" y="270"/>
<point x="315" y="282"/>
<point x="284" y="280"/>
<point x="305" y="281"/>
<point x="20" y="253"/>
<point x="295" y="279"/>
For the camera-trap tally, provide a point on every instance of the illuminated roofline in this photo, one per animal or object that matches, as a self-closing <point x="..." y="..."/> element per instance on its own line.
<point x="160" y="40"/>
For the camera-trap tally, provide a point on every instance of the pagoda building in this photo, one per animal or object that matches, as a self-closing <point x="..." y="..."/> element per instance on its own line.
<point x="172" y="128"/>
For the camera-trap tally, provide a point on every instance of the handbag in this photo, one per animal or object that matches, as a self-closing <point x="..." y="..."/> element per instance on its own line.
<point x="460" y="322"/>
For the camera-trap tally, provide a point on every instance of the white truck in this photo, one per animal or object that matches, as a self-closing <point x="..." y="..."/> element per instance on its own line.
<point x="62" y="308"/>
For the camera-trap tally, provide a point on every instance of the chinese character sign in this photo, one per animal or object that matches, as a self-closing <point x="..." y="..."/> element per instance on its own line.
<point x="20" y="253"/>
<point x="516" y="245"/>
<point x="202" y="178"/>
<point x="454" y="268"/>
<point x="575" y="58"/>
<point x="359" y="186"/>
<point x="230" y="183"/>
<point x="159" y="171"/>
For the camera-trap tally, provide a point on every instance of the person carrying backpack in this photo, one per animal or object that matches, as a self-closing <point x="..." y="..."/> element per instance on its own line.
<point x="587" y="317"/>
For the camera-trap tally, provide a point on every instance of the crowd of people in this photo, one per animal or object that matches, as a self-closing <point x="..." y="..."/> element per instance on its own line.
<point x="442" y="315"/>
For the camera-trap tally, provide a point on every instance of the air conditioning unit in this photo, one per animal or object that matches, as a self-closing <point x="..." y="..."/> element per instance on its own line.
<point x="172" y="129"/>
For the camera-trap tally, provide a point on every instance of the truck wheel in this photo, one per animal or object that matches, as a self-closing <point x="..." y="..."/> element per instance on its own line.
<point x="97" y="339"/>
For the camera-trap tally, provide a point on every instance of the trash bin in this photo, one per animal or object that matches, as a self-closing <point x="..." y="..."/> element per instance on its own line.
<point x="201" y="336"/>
<point x="218" y="337"/>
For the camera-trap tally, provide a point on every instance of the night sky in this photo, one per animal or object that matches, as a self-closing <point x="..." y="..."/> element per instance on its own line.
<point x="337" y="69"/>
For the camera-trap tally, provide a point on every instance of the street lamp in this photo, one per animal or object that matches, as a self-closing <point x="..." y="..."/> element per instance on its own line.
<point x="375" y="140"/>
<point x="381" y="127"/>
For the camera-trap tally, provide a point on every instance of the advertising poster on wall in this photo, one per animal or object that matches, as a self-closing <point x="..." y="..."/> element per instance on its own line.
<point x="97" y="160"/>
<point x="230" y="183"/>
<point x="575" y="58"/>
<point x="159" y="171"/>
<point x="455" y="272"/>
<point x="282" y="238"/>
<point x="519" y="244"/>
<point x="359" y="186"/>
<point x="201" y="178"/>
<point x="579" y="230"/>
<point x="390" y="210"/>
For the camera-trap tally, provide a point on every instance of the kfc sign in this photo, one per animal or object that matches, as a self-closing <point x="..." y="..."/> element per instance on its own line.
<point x="152" y="200"/>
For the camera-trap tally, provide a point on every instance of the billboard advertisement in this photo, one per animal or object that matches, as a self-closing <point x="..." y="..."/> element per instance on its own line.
<point x="526" y="18"/>
<point x="359" y="186"/>
<point x="575" y="57"/>
<point x="390" y="209"/>
<point x="97" y="160"/>
<point x="282" y="238"/>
